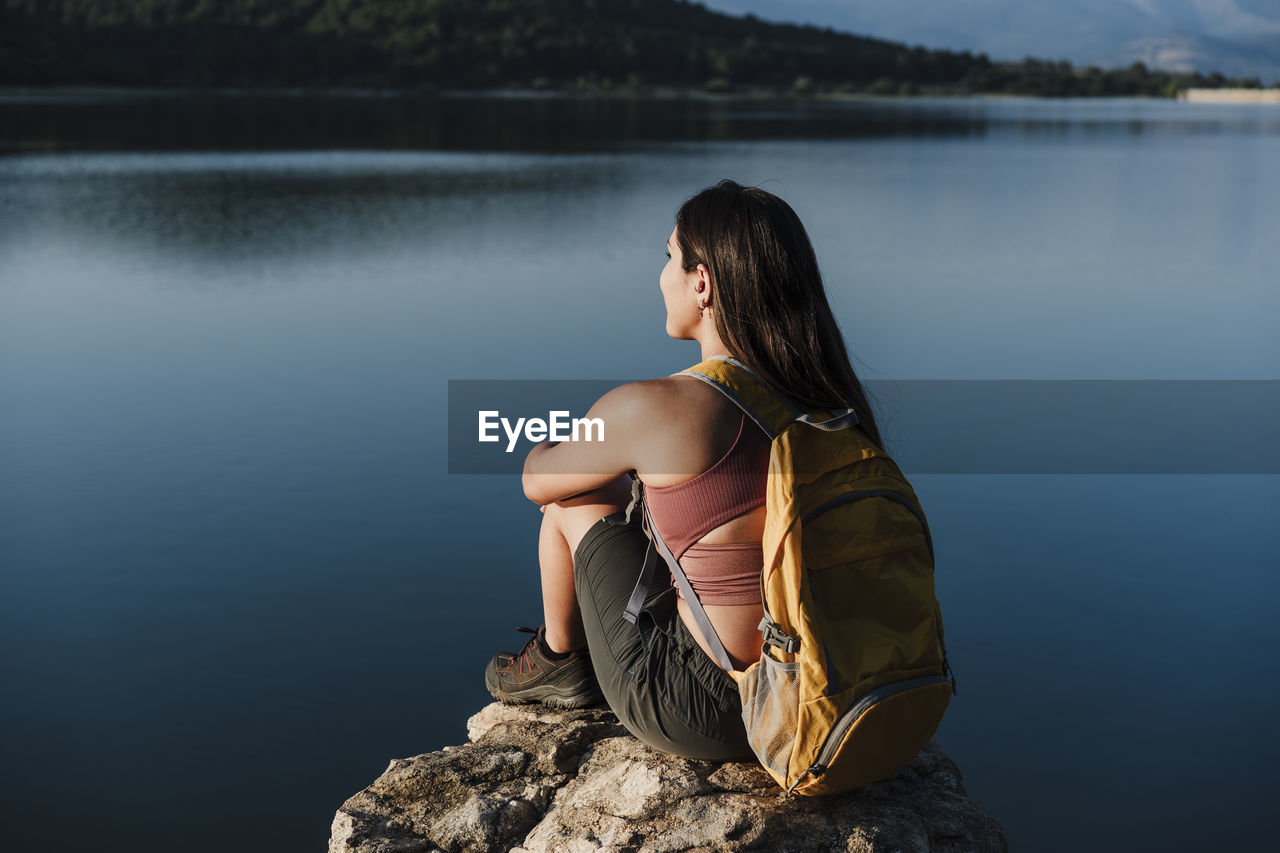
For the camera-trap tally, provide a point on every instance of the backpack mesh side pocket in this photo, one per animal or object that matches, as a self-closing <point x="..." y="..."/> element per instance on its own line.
<point x="770" y="708"/>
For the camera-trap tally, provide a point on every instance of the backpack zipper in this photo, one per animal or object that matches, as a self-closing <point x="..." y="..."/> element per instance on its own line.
<point x="836" y="736"/>
<point x="897" y="497"/>
<point x="843" y="498"/>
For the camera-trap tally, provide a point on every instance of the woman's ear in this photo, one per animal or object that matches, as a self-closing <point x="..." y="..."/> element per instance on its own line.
<point x="703" y="284"/>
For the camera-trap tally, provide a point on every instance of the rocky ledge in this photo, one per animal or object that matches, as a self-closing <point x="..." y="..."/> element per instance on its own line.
<point x="534" y="778"/>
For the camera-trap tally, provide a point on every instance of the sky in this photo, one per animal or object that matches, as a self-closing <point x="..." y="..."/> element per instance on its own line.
<point x="1240" y="38"/>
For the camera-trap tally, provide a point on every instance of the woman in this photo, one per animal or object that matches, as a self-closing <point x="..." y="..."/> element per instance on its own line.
<point x="742" y="280"/>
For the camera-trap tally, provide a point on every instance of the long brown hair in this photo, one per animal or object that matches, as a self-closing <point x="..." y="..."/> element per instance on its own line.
<point x="771" y="308"/>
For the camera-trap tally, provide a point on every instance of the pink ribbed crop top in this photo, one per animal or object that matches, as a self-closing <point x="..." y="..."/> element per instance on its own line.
<point x="724" y="573"/>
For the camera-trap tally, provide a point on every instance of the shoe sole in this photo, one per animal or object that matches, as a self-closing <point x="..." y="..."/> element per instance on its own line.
<point x="547" y="694"/>
<point x="551" y="698"/>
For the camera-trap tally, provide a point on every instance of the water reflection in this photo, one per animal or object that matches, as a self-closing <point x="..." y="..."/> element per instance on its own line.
<point x="226" y="331"/>
<point x="262" y="122"/>
<point x="243" y="207"/>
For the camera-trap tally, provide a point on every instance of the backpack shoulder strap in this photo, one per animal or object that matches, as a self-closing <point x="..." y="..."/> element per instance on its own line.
<point x="691" y="598"/>
<point x="636" y="604"/>
<point x="770" y="411"/>
<point x="732" y="378"/>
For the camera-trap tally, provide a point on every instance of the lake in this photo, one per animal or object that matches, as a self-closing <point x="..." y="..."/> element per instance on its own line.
<point x="238" y="579"/>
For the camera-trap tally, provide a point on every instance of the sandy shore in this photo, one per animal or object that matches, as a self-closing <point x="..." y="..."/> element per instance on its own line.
<point x="1230" y="96"/>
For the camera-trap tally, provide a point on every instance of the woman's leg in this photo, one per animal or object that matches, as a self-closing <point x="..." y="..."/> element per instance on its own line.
<point x="554" y="666"/>
<point x="651" y="672"/>
<point x="563" y="525"/>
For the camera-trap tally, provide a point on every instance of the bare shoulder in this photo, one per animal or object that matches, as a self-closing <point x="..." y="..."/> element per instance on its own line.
<point x="656" y="428"/>
<point x="665" y="398"/>
<point x="678" y="425"/>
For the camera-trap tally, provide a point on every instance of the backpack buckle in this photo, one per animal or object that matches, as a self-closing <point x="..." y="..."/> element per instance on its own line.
<point x="775" y="636"/>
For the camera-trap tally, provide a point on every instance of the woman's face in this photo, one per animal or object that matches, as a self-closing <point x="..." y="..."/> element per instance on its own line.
<point x="679" y="292"/>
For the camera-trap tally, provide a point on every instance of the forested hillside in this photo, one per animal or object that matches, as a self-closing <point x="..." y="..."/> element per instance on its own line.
<point x="473" y="44"/>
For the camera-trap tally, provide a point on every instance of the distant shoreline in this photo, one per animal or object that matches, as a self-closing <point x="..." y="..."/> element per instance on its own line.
<point x="66" y="93"/>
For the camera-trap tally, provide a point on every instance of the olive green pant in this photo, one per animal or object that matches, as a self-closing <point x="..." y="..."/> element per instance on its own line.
<point x="654" y="675"/>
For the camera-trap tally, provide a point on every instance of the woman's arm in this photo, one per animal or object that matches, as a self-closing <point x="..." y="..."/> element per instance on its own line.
<point x="554" y="471"/>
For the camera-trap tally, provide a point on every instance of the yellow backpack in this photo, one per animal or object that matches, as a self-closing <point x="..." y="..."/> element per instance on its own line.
<point x="853" y="676"/>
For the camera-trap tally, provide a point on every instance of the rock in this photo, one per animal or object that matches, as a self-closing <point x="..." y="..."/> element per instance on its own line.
<point x="536" y="779"/>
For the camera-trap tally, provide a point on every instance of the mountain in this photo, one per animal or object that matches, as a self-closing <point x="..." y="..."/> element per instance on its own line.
<point x="542" y="44"/>
<point x="1239" y="38"/>
<point x="469" y="44"/>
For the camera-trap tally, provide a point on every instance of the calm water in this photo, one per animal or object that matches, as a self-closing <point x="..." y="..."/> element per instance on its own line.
<point x="237" y="580"/>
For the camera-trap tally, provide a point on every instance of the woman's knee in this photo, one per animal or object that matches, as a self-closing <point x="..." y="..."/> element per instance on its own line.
<point x="574" y="517"/>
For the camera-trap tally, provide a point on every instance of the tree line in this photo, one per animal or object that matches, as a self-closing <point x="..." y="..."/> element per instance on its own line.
<point x="632" y="45"/>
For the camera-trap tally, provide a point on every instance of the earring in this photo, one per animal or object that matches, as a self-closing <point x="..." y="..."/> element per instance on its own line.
<point x="701" y="306"/>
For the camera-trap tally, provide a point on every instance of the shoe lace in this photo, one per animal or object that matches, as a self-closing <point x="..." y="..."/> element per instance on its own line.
<point x="523" y="657"/>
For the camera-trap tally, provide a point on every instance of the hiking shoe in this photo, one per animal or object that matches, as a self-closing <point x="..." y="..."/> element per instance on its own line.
<point x="537" y="674"/>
